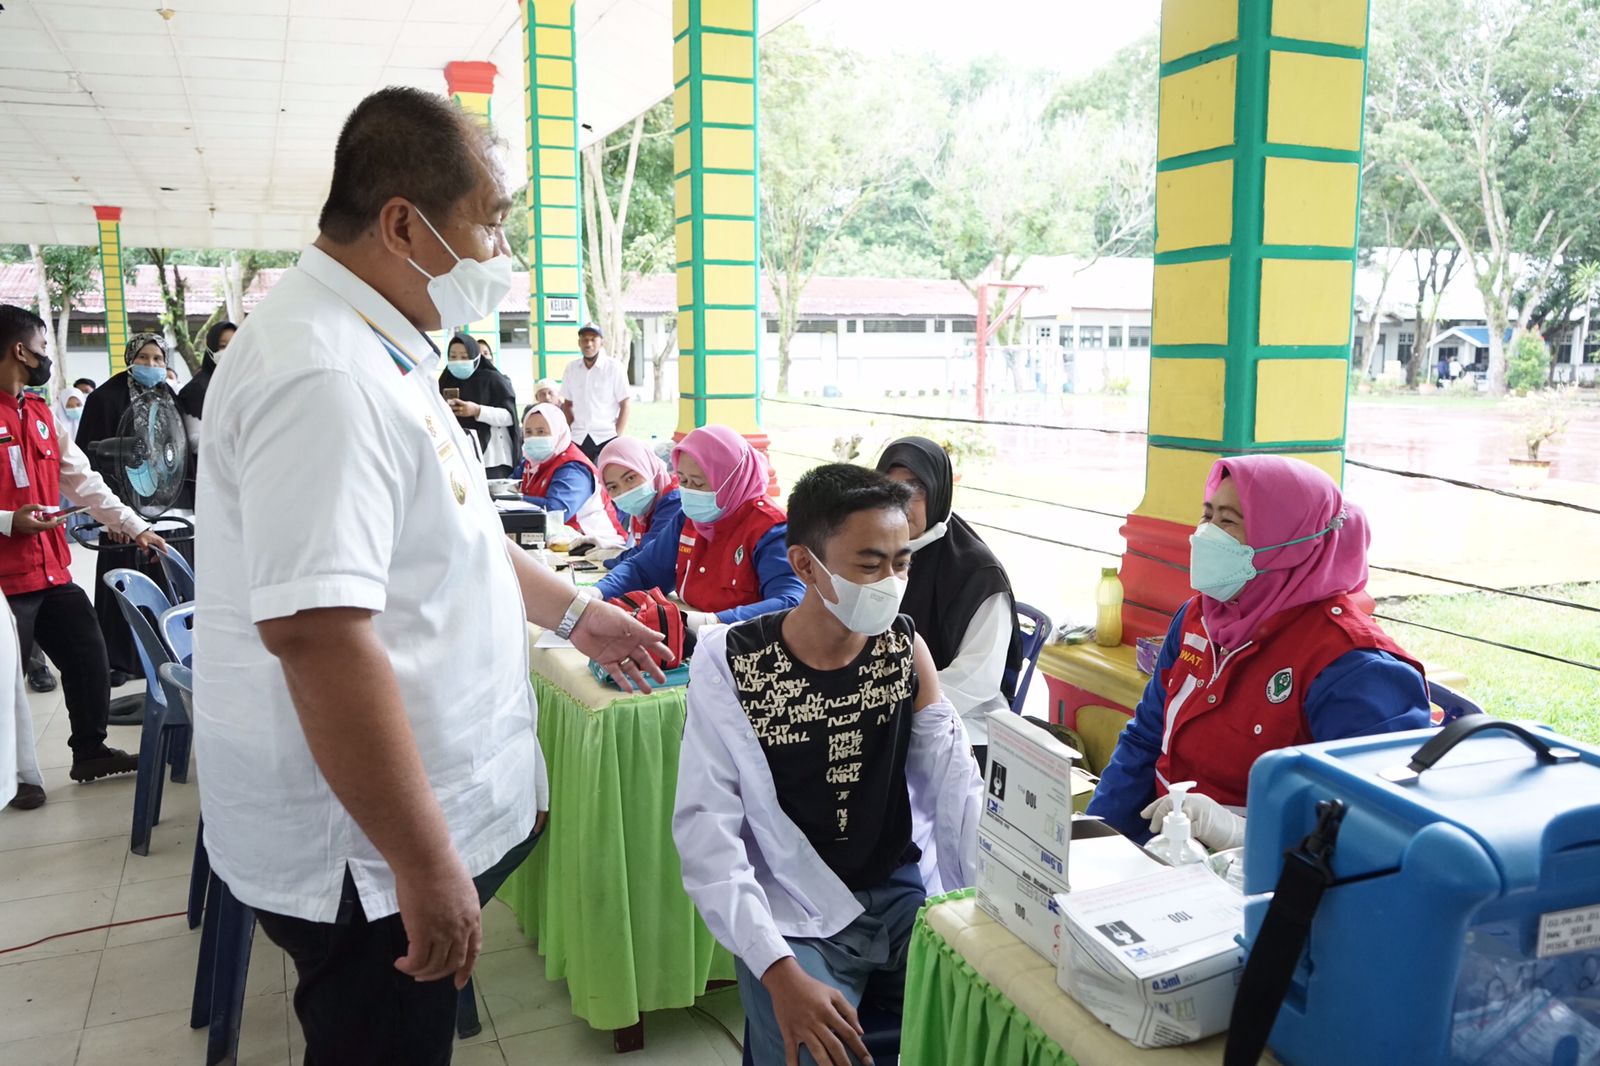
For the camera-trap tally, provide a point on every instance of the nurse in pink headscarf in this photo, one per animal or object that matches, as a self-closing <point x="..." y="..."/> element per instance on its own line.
<point x="643" y="490"/>
<point x="1272" y="651"/>
<point x="725" y="555"/>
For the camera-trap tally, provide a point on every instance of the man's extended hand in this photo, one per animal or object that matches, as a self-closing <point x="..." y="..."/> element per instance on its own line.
<point x="626" y="648"/>
<point x="443" y="921"/>
<point x="150" y="542"/>
<point x="25" y="520"/>
<point x="814" y="1015"/>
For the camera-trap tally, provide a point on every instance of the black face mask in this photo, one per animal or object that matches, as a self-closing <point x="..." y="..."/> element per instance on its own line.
<point x="39" y="375"/>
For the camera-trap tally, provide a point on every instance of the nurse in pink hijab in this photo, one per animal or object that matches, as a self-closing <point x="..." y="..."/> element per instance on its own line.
<point x="642" y="488"/>
<point x="725" y="556"/>
<point x="1273" y="650"/>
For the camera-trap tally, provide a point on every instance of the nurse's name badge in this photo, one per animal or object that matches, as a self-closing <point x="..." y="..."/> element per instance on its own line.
<point x="1280" y="686"/>
<point x="458" y="488"/>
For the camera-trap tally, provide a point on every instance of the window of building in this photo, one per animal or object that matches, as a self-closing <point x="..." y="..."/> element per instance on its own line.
<point x="1564" y="352"/>
<point x="1041" y="334"/>
<point x="1091" y="337"/>
<point x="1064" y="337"/>
<point x="1138" y="336"/>
<point x="1448" y="351"/>
<point x="772" y="325"/>
<point x="1407" y="341"/>
<point x="1591" y="353"/>
<point x="513" y="333"/>
<point x="963" y="325"/>
<point x="850" y="326"/>
<point x="895" y="325"/>
<point x="1113" y="336"/>
<point x="940" y="325"/>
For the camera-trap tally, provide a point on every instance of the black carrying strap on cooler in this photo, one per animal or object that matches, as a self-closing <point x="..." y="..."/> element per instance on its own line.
<point x="1284" y="932"/>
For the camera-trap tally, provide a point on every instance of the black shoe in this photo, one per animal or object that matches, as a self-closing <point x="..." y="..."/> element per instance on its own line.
<point x="107" y="762"/>
<point x="118" y="679"/>
<point x="28" y="797"/>
<point x="40" y="679"/>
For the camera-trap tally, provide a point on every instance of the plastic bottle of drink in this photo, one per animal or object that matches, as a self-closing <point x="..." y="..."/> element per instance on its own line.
<point x="1108" y="604"/>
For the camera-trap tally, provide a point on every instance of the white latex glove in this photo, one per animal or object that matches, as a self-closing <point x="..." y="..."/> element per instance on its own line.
<point x="1210" y="822"/>
<point x="695" y="619"/>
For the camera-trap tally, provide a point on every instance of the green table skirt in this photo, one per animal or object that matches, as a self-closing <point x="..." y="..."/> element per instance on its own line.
<point x="953" y="1016"/>
<point x="603" y="892"/>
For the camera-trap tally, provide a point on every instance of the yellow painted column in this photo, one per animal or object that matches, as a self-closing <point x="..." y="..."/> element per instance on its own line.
<point x="109" y="220"/>
<point x="555" y="248"/>
<point x="717" y="208"/>
<point x="471" y="86"/>
<point x="1259" y="148"/>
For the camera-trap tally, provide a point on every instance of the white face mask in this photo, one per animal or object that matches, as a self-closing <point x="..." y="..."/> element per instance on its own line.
<point x="865" y="609"/>
<point x="471" y="290"/>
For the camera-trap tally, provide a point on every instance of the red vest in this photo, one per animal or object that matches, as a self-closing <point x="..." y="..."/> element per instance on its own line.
<point x="536" y="482"/>
<point x="719" y="575"/>
<point x="28" y="430"/>
<point x="1221" y="716"/>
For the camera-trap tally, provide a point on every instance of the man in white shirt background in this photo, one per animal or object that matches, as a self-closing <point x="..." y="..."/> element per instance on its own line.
<point x="596" y="394"/>
<point x="364" y="724"/>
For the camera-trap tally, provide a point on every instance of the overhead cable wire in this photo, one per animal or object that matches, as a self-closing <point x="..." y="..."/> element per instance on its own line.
<point x="1491" y="643"/>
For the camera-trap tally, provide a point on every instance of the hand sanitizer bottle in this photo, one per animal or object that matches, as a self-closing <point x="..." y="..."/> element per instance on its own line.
<point x="1176" y="845"/>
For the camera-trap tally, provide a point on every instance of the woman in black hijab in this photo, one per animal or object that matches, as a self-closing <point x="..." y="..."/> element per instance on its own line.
<point x="485" y="404"/>
<point x="959" y="595"/>
<point x="192" y="400"/>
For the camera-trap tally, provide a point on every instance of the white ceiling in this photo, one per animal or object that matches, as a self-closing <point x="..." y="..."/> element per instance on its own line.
<point x="216" y="128"/>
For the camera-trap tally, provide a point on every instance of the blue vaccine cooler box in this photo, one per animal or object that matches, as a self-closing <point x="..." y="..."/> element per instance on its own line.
<point x="1461" y="926"/>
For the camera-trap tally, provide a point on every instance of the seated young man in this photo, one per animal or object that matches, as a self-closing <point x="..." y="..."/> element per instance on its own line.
<point x="814" y="736"/>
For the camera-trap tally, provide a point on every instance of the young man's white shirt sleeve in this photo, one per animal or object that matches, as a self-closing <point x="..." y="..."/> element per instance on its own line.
<point x="946" y="793"/>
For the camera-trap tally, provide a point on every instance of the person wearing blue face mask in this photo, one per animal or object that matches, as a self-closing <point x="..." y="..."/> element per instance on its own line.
<point x="557" y="476"/>
<point x="146" y="358"/>
<point x="644" y="492"/>
<point x="484" y="403"/>
<point x="1273" y="651"/>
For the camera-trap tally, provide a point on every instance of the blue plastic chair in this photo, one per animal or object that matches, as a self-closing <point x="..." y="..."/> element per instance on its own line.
<point x="219" y="978"/>
<point x="177" y="629"/>
<point x="165" y="733"/>
<point x="1032" y="644"/>
<point x="1452" y="703"/>
<point x="179" y="574"/>
<point x="177" y="683"/>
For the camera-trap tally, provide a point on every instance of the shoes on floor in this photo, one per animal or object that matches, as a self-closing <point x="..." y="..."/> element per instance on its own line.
<point x="107" y="762"/>
<point x="40" y="679"/>
<point x="28" y="797"/>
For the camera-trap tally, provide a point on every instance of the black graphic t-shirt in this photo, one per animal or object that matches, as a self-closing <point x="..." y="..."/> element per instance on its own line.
<point x="836" y="741"/>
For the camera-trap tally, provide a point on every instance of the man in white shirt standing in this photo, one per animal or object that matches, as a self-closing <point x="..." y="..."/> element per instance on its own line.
<point x="815" y="739"/>
<point x="363" y="714"/>
<point x="596" y="394"/>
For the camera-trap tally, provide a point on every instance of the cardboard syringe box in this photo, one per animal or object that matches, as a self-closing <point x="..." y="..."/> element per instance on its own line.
<point x="1027" y="803"/>
<point x="1155" y="958"/>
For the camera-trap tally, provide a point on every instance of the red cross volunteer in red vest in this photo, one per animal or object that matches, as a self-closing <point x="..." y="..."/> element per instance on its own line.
<point x="557" y="476"/>
<point x="1274" y="651"/>
<point x="726" y="559"/>
<point x="39" y="466"/>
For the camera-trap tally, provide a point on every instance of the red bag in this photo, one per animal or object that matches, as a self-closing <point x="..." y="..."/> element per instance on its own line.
<point x="665" y="617"/>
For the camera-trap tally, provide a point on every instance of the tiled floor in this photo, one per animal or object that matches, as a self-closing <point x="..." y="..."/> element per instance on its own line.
<point x="120" y="997"/>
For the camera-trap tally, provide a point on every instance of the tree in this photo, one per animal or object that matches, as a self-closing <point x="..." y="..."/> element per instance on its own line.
<point x="1584" y="291"/>
<point x="835" y="134"/>
<point x="1435" y="267"/>
<point x="62" y="273"/>
<point x="628" y="223"/>
<point x="1508" y="93"/>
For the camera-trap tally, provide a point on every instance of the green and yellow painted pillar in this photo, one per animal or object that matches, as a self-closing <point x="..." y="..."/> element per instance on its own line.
<point x="1258" y="179"/>
<point x="1257" y="191"/>
<point x="717" y="207"/>
<point x="109" y="220"/>
<point x="555" y="305"/>
<point x="471" y="86"/>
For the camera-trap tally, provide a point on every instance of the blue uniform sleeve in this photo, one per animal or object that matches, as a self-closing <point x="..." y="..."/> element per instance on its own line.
<point x="780" y="587"/>
<point x="1365" y="692"/>
<point x="655" y="566"/>
<point x="668" y="514"/>
<point x="1128" y="784"/>
<point x="570" y="489"/>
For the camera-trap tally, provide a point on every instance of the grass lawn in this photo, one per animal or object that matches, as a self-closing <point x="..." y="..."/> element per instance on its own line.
<point x="1508" y="684"/>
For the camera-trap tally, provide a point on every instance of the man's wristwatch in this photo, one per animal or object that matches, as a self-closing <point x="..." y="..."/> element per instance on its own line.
<point x="569" y="621"/>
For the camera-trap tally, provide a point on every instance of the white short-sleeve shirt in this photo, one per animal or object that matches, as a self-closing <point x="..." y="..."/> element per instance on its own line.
<point x="596" y="393"/>
<point x="334" y="476"/>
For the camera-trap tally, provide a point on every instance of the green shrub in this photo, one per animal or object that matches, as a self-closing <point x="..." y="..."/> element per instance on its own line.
<point x="1528" y="365"/>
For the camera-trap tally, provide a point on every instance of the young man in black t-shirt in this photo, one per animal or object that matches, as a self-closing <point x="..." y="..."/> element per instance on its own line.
<point x="816" y="738"/>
